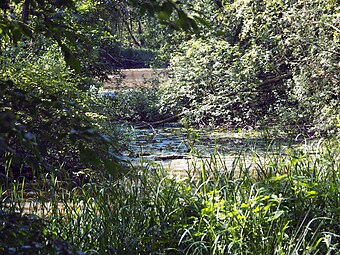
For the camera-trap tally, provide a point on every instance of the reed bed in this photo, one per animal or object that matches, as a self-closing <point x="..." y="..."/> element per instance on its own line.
<point x="282" y="203"/>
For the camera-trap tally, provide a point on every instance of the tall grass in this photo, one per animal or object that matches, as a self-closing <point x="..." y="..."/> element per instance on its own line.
<point x="287" y="203"/>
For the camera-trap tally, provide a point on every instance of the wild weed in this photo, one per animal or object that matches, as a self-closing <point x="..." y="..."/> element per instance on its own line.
<point x="282" y="203"/>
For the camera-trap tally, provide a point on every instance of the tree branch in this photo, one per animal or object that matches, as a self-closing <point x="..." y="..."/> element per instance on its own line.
<point x="264" y="83"/>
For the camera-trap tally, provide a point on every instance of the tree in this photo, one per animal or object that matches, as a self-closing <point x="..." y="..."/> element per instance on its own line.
<point x="261" y="62"/>
<point x="47" y="118"/>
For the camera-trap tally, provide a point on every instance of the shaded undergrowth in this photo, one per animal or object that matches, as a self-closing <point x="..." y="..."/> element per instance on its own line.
<point x="283" y="203"/>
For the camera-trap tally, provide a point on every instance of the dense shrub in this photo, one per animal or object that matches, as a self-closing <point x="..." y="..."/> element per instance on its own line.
<point x="215" y="83"/>
<point x="135" y="105"/>
<point x="46" y="117"/>
<point x="120" y="57"/>
<point x="29" y="235"/>
<point x="270" y="62"/>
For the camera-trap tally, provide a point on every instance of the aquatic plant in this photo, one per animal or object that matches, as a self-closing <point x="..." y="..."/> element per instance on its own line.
<point x="283" y="203"/>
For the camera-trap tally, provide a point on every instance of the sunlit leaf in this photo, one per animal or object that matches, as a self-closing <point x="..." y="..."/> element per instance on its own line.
<point x="163" y="15"/>
<point x="276" y="215"/>
<point x="311" y="194"/>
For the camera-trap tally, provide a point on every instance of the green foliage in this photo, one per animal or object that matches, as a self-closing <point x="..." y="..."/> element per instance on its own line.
<point x="278" y="209"/>
<point x="271" y="204"/>
<point x="170" y="14"/>
<point x="46" y="119"/>
<point x="134" y="105"/>
<point x="82" y="29"/>
<point x="258" y="63"/>
<point x="32" y="18"/>
<point x="29" y="235"/>
<point x="129" y="58"/>
<point x="219" y="87"/>
<point x="262" y="62"/>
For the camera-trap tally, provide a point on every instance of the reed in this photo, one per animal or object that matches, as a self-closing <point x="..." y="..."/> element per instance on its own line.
<point x="277" y="203"/>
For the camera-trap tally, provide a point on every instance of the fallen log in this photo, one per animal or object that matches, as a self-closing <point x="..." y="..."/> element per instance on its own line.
<point x="170" y="157"/>
<point x="158" y="123"/>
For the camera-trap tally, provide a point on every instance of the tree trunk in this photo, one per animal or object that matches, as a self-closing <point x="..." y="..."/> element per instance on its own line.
<point x="140" y="33"/>
<point x="25" y="11"/>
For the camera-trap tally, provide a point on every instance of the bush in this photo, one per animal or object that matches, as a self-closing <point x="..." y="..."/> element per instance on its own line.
<point x="46" y="118"/>
<point x="134" y="105"/>
<point x="214" y="83"/>
<point x="121" y="58"/>
<point x="29" y="235"/>
<point x="271" y="63"/>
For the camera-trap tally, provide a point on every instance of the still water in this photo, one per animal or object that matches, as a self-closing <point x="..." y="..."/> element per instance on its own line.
<point x="179" y="149"/>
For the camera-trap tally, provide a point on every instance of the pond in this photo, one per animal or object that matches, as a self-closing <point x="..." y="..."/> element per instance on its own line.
<point x="179" y="149"/>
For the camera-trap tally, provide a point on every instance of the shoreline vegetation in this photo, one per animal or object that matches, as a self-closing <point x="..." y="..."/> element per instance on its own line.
<point x="283" y="203"/>
<point x="249" y="167"/>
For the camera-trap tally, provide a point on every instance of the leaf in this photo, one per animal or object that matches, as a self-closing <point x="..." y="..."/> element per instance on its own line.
<point x="185" y="22"/>
<point x="278" y="178"/>
<point x="163" y="16"/>
<point x="147" y="7"/>
<point x="70" y="59"/>
<point x="182" y="15"/>
<point x="276" y="215"/>
<point x="112" y="167"/>
<point x="89" y="156"/>
<point x="25" y="29"/>
<point x="143" y="9"/>
<point x="202" y="21"/>
<point x="311" y="194"/>
<point x="57" y="31"/>
<point x="193" y="25"/>
<point x="16" y="35"/>
<point x="167" y="7"/>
